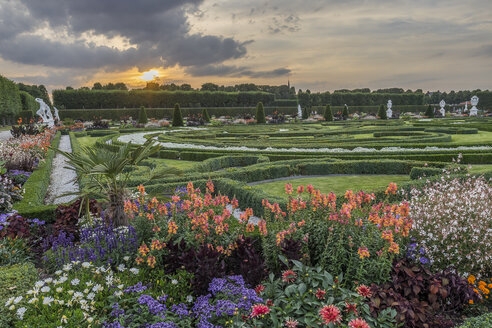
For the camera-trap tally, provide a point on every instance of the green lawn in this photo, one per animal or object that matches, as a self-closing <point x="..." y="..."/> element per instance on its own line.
<point x="87" y="141"/>
<point x="5" y="128"/>
<point x="477" y="169"/>
<point x="336" y="184"/>
<point x="480" y="137"/>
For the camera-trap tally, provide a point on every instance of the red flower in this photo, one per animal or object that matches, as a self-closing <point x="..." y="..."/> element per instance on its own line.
<point x="320" y="294"/>
<point x="351" y="308"/>
<point x="258" y="310"/>
<point x="291" y="323"/>
<point x="364" y="291"/>
<point x="289" y="276"/>
<point x="269" y="303"/>
<point x="330" y="314"/>
<point x="358" y="323"/>
<point x="259" y="289"/>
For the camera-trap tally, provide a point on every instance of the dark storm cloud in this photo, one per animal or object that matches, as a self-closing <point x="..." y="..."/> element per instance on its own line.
<point x="157" y="30"/>
<point x="235" y="71"/>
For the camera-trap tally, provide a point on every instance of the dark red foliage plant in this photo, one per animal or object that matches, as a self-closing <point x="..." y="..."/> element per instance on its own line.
<point x="67" y="216"/>
<point x="17" y="227"/>
<point x="422" y="298"/>
<point x="247" y="261"/>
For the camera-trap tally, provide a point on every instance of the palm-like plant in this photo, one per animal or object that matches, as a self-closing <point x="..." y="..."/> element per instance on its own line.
<point x="106" y="174"/>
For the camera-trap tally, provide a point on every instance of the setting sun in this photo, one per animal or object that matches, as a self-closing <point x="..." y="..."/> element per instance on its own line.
<point x="150" y="75"/>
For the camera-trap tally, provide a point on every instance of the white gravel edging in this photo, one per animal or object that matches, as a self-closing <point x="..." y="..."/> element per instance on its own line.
<point x="62" y="178"/>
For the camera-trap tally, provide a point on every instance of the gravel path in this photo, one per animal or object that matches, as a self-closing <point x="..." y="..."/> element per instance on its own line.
<point x="301" y="177"/>
<point x="61" y="177"/>
<point x="5" y="135"/>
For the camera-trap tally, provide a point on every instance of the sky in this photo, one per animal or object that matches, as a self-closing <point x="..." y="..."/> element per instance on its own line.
<point x="315" y="44"/>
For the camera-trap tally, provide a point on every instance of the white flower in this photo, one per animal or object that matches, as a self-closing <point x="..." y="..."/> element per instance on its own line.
<point x="189" y="298"/>
<point x="18" y="299"/>
<point x="70" y="292"/>
<point x="121" y="286"/>
<point x="39" y="284"/>
<point x="174" y="282"/>
<point x="89" y="283"/>
<point x="134" y="271"/>
<point x="45" y="289"/>
<point x="75" y="282"/>
<point x="78" y="295"/>
<point x="90" y="319"/>
<point x="86" y="265"/>
<point x="97" y="288"/>
<point x="126" y="258"/>
<point x="9" y="301"/>
<point x="62" y="279"/>
<point x="121" y="267"/>
<point x="48" y="280"/>
<point x="20" y="312"/>
<point x="33" y="300"/>
<point x="118" y="293"/>
<point x="61" y="302"/>
<point x="59" y="289"/>
<point x="67" y="267"/>
<point x="47" y="300"/>
<point x="86" y="290"/>
<point x="91" y="296"/>
<point x="59" y="272"/>
<point x="12" y="307"/>
<point x="64" y="319"/>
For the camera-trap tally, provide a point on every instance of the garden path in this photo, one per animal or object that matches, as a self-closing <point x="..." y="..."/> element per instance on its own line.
<point x="5" y="135"/>
<point x="62" y="178"/>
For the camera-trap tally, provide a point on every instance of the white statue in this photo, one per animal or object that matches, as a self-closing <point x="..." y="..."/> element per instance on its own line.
<point x="56" y="113"/>
<point x="442" y="110"/>
<point x="299" y="112"/>
<point x="466" y="106"/>
<point x="389" y="112"/>
<point x="45" y="112"/>
<point x="474" y="103"/>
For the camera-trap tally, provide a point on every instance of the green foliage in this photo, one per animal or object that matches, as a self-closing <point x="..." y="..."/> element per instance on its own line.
<point x="311" y="289"/>
<point x="28" y="102"/>
<point x="142" y="116"/>
<point x="305" y="113"/>
<point x="382" y="113"/>
<point x="422" y="172"/>
<point x="260" y="113"/>
<point x="429" y="112"/>
<point x="345" y="112"/>
<point x="177" y="116"/>
<point x="328" y="114"/>
<point x="483" y="321"/>
<point x="80" y="99"/>
<point x="36" y="91"/>
<point x="10" y="100"/>
<point x="205" y="115"/>
<point x="13" y="251"/>
<point x="15" y="280"/>
<point x="32" y="205"/>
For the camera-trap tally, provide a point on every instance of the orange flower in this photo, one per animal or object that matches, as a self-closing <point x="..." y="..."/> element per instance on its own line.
<point x="363" y="252"/>
<point x="391" y="189"/>
<point x="143" y="250"/>
<point x="288" y="189"/>
<point x="172" y="228"/>
<point x="471" y="279"/>
<point x="151" y="261"/>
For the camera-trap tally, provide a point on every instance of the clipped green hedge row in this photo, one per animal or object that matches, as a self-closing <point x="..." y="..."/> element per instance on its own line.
<point x="422" y="172"/>
<point x="10" y="101"/>
<point x="218" y="163"/>
<point x="78" y="99"/>
<point x="28" y="102"/>
<point x="32" y="205"/>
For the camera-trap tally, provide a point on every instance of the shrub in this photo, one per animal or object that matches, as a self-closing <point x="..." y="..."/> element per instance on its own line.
<point x="429" y="112"/>
<point x="260" y="114"/>
<point x="328" y="114"/>
<point x="483" y="321"/>
<point x="382" y="113"/>
<point x="306" y="295"/>
<point x="67" y="217"/>
<point x="15" y="280"/>
<point x="13" y="251"/>
<point x="344" y="238"/>
<point x="421" y="298"/>
<point x="205" y="115"/>
<point x="142" y="116"/>
<point x="305" y="113"/>
<point x="177" y="117"/>
<point x="422" y="172"/>
<point x="345" y="113"/>
<point x="452" y="223"/>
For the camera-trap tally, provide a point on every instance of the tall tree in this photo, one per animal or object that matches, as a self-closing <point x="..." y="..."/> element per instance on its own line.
<point x="382" y="113"/>
<point x="177" y="116"/>
<point x="328" y="115"/>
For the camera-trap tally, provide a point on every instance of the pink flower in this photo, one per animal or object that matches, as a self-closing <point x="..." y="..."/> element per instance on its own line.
<point x="289" y="276"/>
<point x="330" y="314"/>
<point x="259" y="310"/>
<point x="291" y="323"/>
<point x="364" y="291"/>
<point x="358" y="323"/>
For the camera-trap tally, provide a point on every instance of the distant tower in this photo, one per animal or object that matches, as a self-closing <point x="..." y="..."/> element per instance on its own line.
<point x="288" y="84"/>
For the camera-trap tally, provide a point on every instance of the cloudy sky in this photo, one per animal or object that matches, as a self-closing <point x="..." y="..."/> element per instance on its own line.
<point x="316" y="44"/>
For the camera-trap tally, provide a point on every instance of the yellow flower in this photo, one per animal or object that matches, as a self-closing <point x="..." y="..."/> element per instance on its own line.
<point x="471" y="279"/>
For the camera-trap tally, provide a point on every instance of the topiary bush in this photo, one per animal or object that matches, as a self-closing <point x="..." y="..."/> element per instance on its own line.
<point x="345" y="113"/>
<point x="429" y="112"/>
<point x="205" y="115"/>
<point x="382" y="113"/>
<point x="260" y="114"/>
<point x="328" y="115"/>
<point x="177" y="116"/>
<point x="142" y="116"/>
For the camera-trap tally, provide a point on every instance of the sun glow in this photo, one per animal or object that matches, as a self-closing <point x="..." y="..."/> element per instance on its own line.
<point x="150" y="75"/>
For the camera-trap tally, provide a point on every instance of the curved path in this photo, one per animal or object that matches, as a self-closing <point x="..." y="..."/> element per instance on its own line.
<point x="62" y="178"/>
<point x="139" y="138"/>
<point x="5" y="135"/>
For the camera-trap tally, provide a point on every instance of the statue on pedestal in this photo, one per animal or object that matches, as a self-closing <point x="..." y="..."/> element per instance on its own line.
<point x="389" y="112"/>
<point x="45" y="112"/>
<point x="299" y="112"/>
<point x="474" y="103"/>
<point x="442" y="110"/>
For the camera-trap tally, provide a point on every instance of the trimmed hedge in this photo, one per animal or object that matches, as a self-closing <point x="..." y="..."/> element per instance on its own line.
<point x="76" y="99"/>
<point x="28" y="102"/>
<point x="15" y="280"/>
<point x="218" y="163"/>
<point x="10" y="100"/>
<point x="32" y="205"/>
<point x="422" y="172"/>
